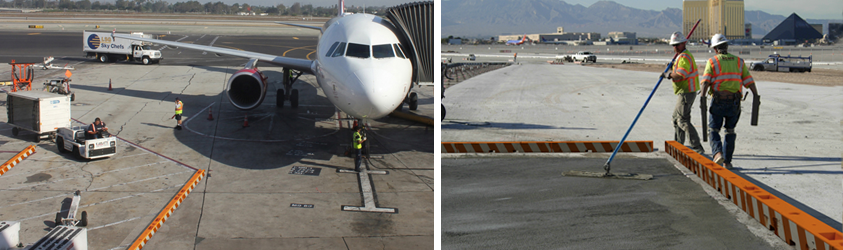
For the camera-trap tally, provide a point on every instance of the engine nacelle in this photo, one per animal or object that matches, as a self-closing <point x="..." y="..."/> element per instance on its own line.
<point x="246" y="89"/>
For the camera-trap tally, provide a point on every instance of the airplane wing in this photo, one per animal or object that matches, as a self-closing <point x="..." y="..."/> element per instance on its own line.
<point x="302" y="25"/>
<point x="303" y="65"/>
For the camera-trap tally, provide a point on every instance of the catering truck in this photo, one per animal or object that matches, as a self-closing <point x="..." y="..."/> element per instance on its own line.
<point x="105" y="48"/>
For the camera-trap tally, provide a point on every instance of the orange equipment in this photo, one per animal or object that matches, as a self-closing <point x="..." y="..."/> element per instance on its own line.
<point x="22" y="74"/>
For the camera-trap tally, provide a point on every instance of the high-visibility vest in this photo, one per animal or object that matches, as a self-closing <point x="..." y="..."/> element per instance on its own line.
<point x="179" y="107"/>
<point x="727" y="72"/>
<point x="355" y="143"/>
<point x="687" y="68"/>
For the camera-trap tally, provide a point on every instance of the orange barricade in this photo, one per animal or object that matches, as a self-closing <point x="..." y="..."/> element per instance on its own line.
<point x="167" y="211"/>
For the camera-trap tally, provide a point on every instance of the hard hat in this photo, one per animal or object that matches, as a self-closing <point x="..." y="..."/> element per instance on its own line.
<point x="677" y="38"/>
<point x="718" y="39"/>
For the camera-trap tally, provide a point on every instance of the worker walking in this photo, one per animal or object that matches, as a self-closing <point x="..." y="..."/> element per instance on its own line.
<point x="686" y="83"/>
<point x="724" y="77"/>
<point x="177" y="116"/>
<point x="357" y="144"/>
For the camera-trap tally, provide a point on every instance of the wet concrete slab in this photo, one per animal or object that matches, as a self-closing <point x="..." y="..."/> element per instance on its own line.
<point x="522" y="202"/>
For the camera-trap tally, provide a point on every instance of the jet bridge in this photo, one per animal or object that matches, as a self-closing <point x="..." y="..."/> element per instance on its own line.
<point x="414" y="21"/>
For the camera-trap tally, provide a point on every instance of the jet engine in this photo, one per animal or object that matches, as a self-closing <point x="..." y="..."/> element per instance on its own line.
<point x="246" y="88"/>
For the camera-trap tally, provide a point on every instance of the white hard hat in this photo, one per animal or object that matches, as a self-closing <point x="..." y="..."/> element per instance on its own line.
<point x="677" y="38"/>
<point x="718" y="39"/>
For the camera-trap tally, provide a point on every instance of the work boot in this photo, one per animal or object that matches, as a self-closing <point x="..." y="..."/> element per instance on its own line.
<point x="728" y="165"/>
<point x="718" y="158"/>
<point x="178" y="127"/>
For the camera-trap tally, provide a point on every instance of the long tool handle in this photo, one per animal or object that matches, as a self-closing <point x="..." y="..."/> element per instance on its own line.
<point x="704" y="117"/>
<point x="670" y="65"/>
<point x="756" y="103"/>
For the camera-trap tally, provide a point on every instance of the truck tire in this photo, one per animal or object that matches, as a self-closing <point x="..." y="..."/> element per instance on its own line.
<point x="60" y="144"/>
<point x="145" y="60"/>
<point x="58" y="219"/>
<point x="103" y="58"/>
<point x="37" y="138"/>
<point x="77" y="154"/>
<point x="758" y="68"/>
<point x="72" y="97"/>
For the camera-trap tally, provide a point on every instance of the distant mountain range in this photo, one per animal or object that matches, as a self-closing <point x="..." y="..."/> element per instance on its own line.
<point x="487" y="18"/>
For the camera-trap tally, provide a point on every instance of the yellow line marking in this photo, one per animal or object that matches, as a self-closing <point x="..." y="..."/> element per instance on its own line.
<point x="308" y="55"/>
<point x="34" y="34"/>
<point x="228" y="47"/>
<point x="295" y="38"/>
<point x="301" y="48"/>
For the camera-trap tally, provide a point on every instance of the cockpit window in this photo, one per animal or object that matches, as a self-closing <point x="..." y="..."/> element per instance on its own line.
<point x="331" y="50"/>
<point x="382" y="51"/>
<point x="358" y="50"/>
<point x="398" y="50"/>
<point x="340" y="50"/>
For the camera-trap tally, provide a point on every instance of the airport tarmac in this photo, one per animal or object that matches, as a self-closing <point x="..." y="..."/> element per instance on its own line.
<point x="249" y="198"/>
<point x="794" y="152"/>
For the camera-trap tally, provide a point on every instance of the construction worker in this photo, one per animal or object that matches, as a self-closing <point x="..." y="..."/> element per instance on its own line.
<point x="724" y="77"/>
<point x="357" y="144"/>
<point x="96" y="130"/>
<point x="179" y="108"/>
<point x="686" y="83"/>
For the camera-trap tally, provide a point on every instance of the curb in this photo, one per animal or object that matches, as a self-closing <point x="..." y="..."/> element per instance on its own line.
<point x="790" y="224"/>
<point x="26" y="152"/>
<point x="168" y="210"/>
<point x="546" y="147"/>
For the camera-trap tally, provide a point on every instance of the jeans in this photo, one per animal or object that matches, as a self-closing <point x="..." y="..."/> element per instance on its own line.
<point x="728" y="111"/>
<point x="682" y="121"/>
<point x="358" y="159"/>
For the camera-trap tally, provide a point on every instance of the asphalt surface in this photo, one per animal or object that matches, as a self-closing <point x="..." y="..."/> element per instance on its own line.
<point x="246" y="202"/>
<point x="525" y="203"/>
<point x="66" y="47"/>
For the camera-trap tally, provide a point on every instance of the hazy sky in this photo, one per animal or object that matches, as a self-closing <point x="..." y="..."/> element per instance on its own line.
<point x="813" y="9"/>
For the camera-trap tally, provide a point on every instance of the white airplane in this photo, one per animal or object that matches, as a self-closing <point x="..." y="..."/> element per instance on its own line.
<point x="359" y="65"/>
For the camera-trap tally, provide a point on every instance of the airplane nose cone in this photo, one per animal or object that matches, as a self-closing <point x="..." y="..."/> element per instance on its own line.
<point x="384" y="91"/>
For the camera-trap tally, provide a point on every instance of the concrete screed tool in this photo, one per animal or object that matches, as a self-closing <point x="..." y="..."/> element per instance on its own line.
<point x="607" y="167"/>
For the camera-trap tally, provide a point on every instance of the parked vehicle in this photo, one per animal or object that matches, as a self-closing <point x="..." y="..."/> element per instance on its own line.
<point x="585" y="56"/>
<point x="781" y="63"/>
<point x="106" y="48"/>
<point x="60" y="86"/>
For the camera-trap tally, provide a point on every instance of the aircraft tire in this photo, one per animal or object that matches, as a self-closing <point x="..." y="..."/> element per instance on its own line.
<point x="294" y="98"/>
<point x="279" y="100"/>
<point x="414" y="101"/>
<point x="443" y="112"/>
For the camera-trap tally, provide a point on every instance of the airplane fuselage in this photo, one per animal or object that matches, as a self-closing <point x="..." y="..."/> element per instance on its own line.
<point x="360" y="66"/>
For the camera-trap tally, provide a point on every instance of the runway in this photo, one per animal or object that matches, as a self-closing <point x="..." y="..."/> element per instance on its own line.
<point x="795" y="150"/>
<point x="251" y="198"/>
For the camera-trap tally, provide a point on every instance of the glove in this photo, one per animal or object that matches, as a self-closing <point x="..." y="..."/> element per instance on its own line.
<point x="666" y="75"/>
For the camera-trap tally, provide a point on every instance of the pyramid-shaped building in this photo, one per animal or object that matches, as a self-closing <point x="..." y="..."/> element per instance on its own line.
<point x="793" y="28"/>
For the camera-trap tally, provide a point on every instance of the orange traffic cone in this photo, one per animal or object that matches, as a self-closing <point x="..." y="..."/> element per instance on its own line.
<point x="246" y="121"/>
<point x="109" y="84"/>
<point x="210" y="115"/>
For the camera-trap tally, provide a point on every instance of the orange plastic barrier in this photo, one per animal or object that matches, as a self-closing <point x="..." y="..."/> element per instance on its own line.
<point x="792" y="225"/>
<point x="546" y="147"/>
<point x="168" y="210"/>
<point x="26" y="152"/>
